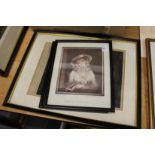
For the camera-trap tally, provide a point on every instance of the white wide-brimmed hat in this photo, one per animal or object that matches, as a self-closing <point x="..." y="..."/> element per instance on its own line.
<point x="82" y="56"/>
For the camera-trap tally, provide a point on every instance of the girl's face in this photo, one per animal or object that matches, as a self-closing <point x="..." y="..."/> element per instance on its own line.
<point x="81" y="64"/>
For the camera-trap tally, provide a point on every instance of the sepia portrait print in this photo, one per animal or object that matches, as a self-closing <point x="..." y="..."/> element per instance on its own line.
<point x="81" y="71"/>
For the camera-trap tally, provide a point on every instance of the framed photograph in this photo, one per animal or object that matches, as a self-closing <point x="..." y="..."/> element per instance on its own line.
<point x="128" y="111"/>
<point x="10" y="39"/>
<point x="80" y="78"/>
<point x="118" y="58"/>
<point x="150" y="44"/>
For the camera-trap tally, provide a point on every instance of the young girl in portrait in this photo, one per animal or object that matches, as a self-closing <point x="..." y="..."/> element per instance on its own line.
<point x="82" y="76"/>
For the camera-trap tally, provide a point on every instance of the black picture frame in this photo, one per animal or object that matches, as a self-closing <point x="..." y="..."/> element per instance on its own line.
<point x="5" y="72"/>
<point x="44" y="96"/>
<point x="150" y="82"/>
<point x="78" y="120"/>
<point x="117" y="79"/>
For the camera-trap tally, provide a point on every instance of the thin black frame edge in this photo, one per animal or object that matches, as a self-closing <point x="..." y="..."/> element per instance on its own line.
<point x="44" y="96"/>
<point x="18" y="71"/>
<point x="150" y="77"/>
<point x="87" y="34"/>
<point x="139" y="94"/>
<point x="14" y="53"/>
<point x="72" y="118"/>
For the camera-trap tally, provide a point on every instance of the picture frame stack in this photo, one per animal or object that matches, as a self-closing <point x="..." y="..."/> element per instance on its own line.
<point x="82" y="78"/>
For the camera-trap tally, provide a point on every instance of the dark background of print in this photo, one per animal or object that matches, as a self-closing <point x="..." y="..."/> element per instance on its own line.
<point x="96" y="65"/>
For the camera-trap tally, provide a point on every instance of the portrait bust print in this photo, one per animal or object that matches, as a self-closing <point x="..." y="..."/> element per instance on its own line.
<point x="81" y="71"/>
<point x="82" y="76"/>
